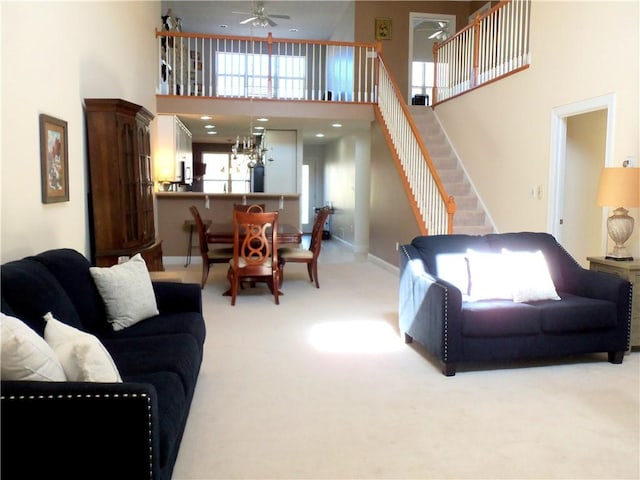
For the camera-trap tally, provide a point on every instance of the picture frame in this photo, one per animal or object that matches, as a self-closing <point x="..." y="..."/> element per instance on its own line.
<point x="383" y="28"/>
<point x="54" y="159"/>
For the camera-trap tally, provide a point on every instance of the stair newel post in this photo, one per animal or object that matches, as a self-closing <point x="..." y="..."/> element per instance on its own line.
<point x="270" y="74"/>
<point x="451" y="210"/>
<point x="376" y="86"/>
<point x="476" y="50"/>
<point x="435" y="73"/>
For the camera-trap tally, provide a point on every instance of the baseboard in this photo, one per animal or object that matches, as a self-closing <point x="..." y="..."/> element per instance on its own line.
<point x="384" y="264"/>
<point x="181" y="260"/>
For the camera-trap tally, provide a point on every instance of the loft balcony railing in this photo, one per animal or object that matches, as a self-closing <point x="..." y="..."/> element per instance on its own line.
<point x="494" y="46"/>
<point x="269" y="68"/>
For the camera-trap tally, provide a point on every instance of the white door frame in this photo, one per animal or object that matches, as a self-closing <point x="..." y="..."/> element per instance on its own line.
<point x="559" y="117"/>
<point x="423" y="16"/>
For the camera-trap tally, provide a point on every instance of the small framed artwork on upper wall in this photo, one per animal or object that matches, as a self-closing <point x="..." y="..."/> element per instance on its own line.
<point x="383" y="28"/>
<point x="54" y="160"/>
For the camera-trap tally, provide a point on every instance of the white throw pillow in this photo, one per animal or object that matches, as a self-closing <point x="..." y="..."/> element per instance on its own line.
<point x="530" y="277"/>
<point x="127" y="292"/>
<point x="25" y="354"/>
<point x="82" y="355"/>
<point x="488" y="276"/>
<point x="453" y="268"/>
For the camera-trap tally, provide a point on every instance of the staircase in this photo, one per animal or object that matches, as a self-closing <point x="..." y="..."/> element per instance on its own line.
<point x="470" y="217"/>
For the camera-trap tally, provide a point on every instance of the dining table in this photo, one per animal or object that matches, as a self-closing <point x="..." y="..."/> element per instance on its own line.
<point x="223" y="233"/>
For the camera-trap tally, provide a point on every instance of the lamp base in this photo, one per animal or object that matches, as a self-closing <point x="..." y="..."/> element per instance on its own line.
<point x="620" y="227"/>
<point x="619" y="259"/>
<point x="620" y="254"/>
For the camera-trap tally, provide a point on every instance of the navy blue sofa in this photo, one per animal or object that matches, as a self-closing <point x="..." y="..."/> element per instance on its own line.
<point x="100" y="430"/>
<point x="593" y="314"/>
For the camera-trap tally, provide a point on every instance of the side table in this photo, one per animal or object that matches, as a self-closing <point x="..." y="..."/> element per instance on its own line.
<point x="629" y="270"/>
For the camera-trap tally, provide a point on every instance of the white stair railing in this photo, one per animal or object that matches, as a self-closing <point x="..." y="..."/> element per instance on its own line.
<point x="430" y="200"/>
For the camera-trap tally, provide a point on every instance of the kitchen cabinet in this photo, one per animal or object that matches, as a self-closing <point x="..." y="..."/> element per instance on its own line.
<point x="174" y="145"/>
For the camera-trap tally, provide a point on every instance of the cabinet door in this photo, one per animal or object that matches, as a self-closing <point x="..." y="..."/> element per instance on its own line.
<point x="129" y="184"/>
<point x="146" y="183"/>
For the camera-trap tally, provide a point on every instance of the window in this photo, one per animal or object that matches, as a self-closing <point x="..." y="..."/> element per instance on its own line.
<point x="225" y="174"/>
<point x="422" y="79"/>
<point x="247" y="75"/>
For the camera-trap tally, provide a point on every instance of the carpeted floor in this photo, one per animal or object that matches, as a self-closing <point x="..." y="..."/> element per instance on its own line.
<point x="322" y="387"/>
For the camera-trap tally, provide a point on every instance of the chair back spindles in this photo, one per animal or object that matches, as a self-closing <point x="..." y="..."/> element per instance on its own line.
<point x="255" y="207"/>
<point x="255" y="251"/>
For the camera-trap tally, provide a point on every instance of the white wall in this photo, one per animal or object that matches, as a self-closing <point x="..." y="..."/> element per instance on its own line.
<point x="55" y="54"/>
<point x="340" y="184"/>
<point x="502" y="131"/>
<point x="280" y="175"/>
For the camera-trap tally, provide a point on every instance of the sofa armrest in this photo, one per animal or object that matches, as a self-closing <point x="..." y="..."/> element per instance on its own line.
<point x="604" y="286"/>
<point x="430" y="309"/>
<point x="79" y="430"/>
<point x="174" y="297"/>
<point x="600" y="285"/>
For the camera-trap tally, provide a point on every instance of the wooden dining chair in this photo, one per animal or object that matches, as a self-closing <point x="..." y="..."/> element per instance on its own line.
<point x="256" y="207"/>
<point x="209" y="255"/>
<point x="302" y="255"/>
<point x="255" y="251"/>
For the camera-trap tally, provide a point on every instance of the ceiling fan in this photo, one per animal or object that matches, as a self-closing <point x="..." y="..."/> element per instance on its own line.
<point x="259" y="16"/>
<point x="438" y="28"/>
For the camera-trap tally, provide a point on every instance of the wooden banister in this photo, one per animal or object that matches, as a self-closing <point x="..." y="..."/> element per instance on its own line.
<point x="493" y="46"/>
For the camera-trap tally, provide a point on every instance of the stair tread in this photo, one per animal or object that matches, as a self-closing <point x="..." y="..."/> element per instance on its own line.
<point x="470" y="217"/>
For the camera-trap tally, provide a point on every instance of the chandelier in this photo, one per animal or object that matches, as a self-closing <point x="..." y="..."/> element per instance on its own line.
<point x="252" y="147"/>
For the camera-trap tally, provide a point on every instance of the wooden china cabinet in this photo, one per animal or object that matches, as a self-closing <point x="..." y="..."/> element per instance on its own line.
<point x="121" y="203"/>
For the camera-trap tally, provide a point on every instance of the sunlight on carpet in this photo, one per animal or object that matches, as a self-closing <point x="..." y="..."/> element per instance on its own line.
<point x="364" y="336"/>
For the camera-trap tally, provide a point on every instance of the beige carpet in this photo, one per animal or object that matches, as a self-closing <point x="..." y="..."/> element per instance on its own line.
<point x="322" y="387"/>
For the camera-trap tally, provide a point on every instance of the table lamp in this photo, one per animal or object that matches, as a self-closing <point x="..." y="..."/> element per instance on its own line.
<point x="619" y="188"/>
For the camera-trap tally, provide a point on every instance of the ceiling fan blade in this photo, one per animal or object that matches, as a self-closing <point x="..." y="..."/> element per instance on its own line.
<point x="286" y="17"/>
<point x="271" y="22"/>
<point x="247" y="20"/>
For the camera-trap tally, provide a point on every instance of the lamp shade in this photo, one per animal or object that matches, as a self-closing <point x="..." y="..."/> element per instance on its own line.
<point x="619" y="187"/>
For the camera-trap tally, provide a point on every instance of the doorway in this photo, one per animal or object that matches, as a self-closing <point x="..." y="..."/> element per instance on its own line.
<point x="426" y="29"/>
<point x="311" y="190"/>
<point x="581" y="146"/>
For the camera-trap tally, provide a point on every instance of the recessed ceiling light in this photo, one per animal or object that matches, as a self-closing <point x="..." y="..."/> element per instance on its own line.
<point x="212" y="133"/>
<point x="209" y="126"/>
<point x="293" y="30"/>
<point x="263" y="119"/>
<point x="258" y="128"/>
<point x="223" y="26"/>
<point x="319" y="135"/>
<point x="205" y="117"/>
<point x="336" y="125"/>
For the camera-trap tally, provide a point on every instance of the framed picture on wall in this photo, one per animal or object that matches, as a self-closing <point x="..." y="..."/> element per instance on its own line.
<point x="383" y="28"/>
<point x="54" y="160"/>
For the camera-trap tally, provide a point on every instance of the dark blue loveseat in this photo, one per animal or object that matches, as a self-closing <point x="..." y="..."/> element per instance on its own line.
<point x="89" y="430"/>
<point x="592" y="315"/>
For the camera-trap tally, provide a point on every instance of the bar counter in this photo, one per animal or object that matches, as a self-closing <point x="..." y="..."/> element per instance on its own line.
<point x="173" y="212"/>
